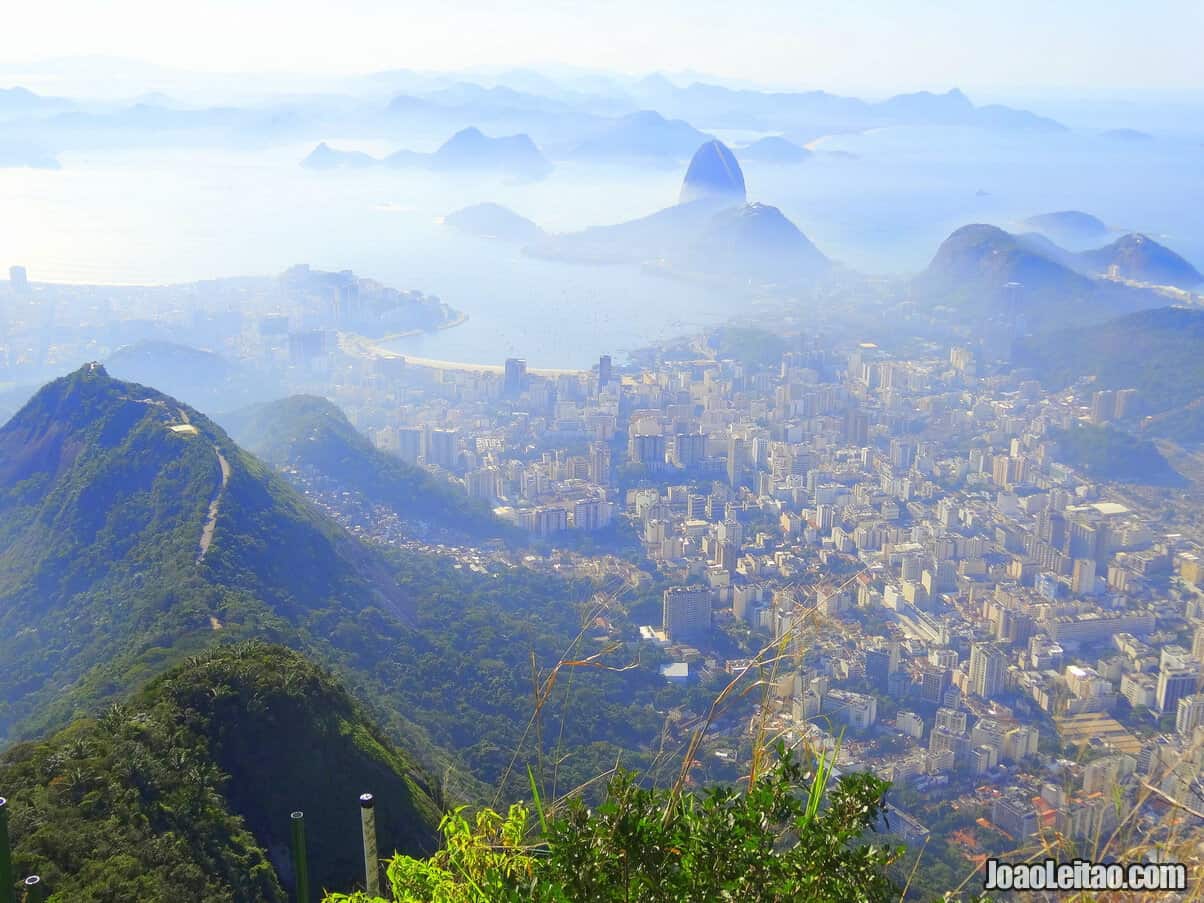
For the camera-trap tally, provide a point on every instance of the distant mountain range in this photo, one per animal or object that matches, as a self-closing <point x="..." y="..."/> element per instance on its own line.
<point x="650" y="121"/>
<point x="817" y="112"/>
<point x="466" y="151"/>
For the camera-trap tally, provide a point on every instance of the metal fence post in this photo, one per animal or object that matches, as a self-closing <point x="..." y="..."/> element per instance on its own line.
<point x="300" y="859"/>
<point x="371" y="861"/>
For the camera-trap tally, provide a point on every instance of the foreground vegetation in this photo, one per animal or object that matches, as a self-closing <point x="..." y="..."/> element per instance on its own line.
<point x="791" y="836"/>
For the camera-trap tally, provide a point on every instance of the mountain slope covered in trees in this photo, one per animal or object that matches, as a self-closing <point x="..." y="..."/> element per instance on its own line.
<point x="184" y="791"/>
<point x="311" y="433"/>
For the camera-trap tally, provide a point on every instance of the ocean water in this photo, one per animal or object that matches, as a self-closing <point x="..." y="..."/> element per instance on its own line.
<point x="881" y="205"/>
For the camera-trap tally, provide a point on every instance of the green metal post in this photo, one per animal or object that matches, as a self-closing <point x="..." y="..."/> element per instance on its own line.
<point x="300" y="859"/>
<point x="7" y="892"/>
<point x="371" y="860"/>
<point x="35" y="890"/>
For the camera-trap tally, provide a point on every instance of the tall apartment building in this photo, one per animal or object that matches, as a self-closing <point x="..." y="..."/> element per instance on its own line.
<point x="686" y="612"/>
<point x="987" y="666"/>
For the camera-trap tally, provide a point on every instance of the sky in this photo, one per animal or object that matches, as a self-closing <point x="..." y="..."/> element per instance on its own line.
<point x="873" y="47"/>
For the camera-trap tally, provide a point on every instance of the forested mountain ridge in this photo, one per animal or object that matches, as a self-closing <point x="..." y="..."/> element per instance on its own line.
<point x="132" y="530"/>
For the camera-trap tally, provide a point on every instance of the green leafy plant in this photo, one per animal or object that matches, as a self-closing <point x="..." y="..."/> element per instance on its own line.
<point x="796" y="834"/>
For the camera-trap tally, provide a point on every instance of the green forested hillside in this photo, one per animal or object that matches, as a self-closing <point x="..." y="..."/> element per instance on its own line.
<point x="1156" y="352"/>
<point x="1106" y="453"/>
<point x="307" y="432"/>
<point x="106" y="490"/>
<point x="183" y="792"/>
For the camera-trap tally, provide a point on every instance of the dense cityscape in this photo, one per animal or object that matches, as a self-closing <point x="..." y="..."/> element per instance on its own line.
<point x="935" y="594"/>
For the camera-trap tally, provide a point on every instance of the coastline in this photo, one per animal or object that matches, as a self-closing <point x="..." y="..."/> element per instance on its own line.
<point x="459" y="320"/>
<point x="360" y="346"/>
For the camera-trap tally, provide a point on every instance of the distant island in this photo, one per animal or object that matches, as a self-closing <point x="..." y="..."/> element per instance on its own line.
<point x="326" y="157"/>
<point x="467" y="150"/>
<point x="490" y="220"/>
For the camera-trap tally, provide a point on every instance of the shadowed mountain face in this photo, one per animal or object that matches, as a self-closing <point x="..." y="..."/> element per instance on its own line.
<point x="1156" y="352"/>
<point x="311" y="434"/>
<point x="713" y="174"/>
<point x="129" y="522"/>
<point x="214" y="754"/>
<point x="1140" y="258"/>
<point x="987" y="257"/>
<point x="756" y="240"/>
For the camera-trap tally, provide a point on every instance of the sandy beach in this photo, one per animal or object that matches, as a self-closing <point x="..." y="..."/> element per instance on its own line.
<point x="357" y="345"/>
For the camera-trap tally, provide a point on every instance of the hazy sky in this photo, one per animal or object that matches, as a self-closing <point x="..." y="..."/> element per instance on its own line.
<point x="873" y="46"/>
